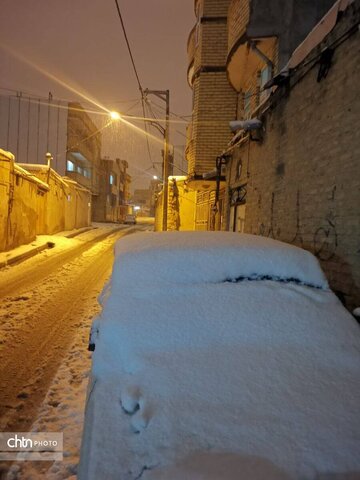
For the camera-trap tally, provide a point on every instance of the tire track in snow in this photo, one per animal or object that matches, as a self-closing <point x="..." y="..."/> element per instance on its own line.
<point x="43" y="331"/>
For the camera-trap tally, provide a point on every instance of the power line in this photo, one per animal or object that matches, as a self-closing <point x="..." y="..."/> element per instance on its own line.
<point x="182" y="117"/>
<point x="129" y="48"/>
<point x="132" y="107"/>
<point x="146" y="129"/>
<point x="122" y="101"/>
<point x="136" y="75"/>
<point x="148" y="104"/>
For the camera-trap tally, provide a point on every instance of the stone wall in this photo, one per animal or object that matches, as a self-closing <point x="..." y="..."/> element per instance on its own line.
<point x="303" y="179"/>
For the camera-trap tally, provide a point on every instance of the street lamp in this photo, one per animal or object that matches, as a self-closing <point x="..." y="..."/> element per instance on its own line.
<point x="115" y="115"/>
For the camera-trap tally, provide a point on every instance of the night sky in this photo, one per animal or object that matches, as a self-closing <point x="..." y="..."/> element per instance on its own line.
<point x="81" y="43"/>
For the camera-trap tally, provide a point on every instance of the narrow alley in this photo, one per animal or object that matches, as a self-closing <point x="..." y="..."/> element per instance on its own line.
<point x="47" y="305"/>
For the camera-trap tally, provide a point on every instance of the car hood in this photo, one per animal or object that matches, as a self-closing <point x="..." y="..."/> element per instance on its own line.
<point x="262" y="370"/>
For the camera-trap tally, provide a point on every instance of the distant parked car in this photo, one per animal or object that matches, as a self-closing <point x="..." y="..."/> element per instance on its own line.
<point x="221" y="356"/>
<point x="130" y="219"/>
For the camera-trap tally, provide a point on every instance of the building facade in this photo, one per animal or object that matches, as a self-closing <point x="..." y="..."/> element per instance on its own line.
<point x="287" y="74"/>
<point x="234" y="49"/>
<point x="36" y="200"/>
<point x="214" y="105"/>
<point x="214" y="100"/>
<point x="112" y="202"/>
<point x="83" y="149"/>
<point x="30" y="127"/>
<point x="142" y="200"/>
<point x="297" y="178"/>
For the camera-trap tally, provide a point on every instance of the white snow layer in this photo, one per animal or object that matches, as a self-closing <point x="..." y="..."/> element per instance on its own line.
<point x="193" y="257"/>
<point x="194" y="379"/>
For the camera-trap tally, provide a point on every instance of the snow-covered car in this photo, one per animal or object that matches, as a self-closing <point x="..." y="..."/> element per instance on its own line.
<point x="221" y="356"/>
<point x="130" y="219"/>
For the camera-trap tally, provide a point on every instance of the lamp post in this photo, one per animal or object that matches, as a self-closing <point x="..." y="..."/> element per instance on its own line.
<point x="164" y="95"/>
<point x="115" y="115"/>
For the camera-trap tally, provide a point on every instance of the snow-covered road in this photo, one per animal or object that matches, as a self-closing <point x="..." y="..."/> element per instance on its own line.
<point x="47" y="304"/>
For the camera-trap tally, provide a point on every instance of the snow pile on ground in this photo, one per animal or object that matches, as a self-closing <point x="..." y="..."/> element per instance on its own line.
<point x="198" y="378"/>
<point x="63" y="409"/>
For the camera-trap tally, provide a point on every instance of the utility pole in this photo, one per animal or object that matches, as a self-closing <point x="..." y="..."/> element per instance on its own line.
<point x="164" y="95"/>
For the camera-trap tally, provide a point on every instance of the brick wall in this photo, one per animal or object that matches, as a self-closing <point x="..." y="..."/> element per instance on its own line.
<point x="303" y="180"/>
<point x="215" y="8"/>
<point x="239" y="15"/>
<point x="210" y="42"/>
<point x="214" y="107"/>
<point x="214" y="43"/>
<point x="214" y="100"/>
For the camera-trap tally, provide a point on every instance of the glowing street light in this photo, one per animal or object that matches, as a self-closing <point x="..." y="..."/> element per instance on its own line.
<point x="115" y="115"/>
<point x="155" y="177"/>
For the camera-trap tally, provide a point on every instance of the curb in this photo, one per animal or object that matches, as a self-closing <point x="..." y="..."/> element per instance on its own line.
<point x="24" y="256"/>
<point x="82" y="230"/>
<point x="31" y="253"/>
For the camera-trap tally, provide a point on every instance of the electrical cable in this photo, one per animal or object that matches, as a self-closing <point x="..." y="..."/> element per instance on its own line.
<point x="143" y="101"/>
<point x="132" y="107"/>
<point x="136" y="75"/>
<point x="182" y="117"/>
<point x="146" y="128"/>
<point x="128" y="47"/>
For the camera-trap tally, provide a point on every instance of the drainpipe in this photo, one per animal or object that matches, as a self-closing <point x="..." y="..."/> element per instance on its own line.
<point x="262" y="56"/>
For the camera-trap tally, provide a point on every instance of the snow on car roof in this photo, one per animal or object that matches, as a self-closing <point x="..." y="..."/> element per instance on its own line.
<point x="195" y="257"/>
<point x="265" y="372"/>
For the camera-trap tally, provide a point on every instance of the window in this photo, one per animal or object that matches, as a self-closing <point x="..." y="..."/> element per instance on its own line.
<point x="247" y="104"/>
<point x="265" y="76"/>
<point x="70" y="167"/>
<point x="238" y="169"/>
<point x="237" y="209"/>
<point x="112" y="179"/>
